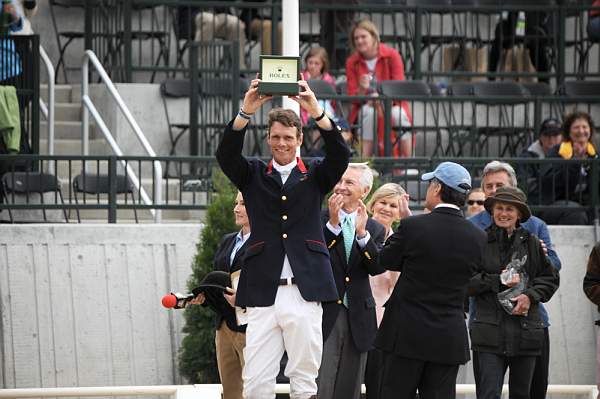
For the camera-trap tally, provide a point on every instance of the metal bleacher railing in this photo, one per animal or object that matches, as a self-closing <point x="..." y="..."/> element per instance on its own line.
<point x="438" y="40"/>
<point x="193" y="190"/>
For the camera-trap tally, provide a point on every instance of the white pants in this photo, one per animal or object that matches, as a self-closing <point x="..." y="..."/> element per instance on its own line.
<point x="291" y="324"/>
<point x="367" y="121"/>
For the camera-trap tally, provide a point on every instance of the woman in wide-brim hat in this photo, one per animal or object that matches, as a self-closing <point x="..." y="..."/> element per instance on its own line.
<point x="501" y="339"/>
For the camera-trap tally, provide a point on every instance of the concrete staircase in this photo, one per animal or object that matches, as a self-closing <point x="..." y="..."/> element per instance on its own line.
<point x="67" y="132"/>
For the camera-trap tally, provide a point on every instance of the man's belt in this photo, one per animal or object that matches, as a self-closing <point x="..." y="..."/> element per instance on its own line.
<point x="287" y="281"/>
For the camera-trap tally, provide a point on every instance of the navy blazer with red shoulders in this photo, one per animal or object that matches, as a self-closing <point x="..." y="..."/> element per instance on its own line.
<point x="285" y="219"/>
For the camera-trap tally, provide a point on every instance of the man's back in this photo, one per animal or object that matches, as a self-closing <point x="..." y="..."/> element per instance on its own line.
<point x="437" y="255"/>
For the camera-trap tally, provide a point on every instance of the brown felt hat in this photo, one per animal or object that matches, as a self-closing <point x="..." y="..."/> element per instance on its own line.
<point x="509" y="195"/>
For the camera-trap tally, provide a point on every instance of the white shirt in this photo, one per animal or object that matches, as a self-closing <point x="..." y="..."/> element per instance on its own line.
<point x="285" y="171"/>
<point x="371" y="65"/>
<point x="338" y="229"/>
<point x="444" y="205"/>
<point x="240" y="239"/>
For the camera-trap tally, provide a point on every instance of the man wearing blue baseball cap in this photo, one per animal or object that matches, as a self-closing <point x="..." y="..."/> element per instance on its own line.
<point x="423" y="334"/>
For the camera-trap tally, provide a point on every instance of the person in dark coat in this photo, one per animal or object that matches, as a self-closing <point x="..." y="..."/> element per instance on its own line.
<point x="423" y="335"/>
<point x="349" y="324"/>
<point x="591" y="288"/>
<point x="230" y="337"/>
<point x="570" y="184"/>
<point x="287" y="271"/>
<point x="509" y="340"/>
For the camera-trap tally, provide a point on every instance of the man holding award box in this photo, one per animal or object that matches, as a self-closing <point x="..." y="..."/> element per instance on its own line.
<point x="287" y="271"/>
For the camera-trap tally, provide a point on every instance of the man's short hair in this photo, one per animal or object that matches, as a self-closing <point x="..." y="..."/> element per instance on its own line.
<point x="498" y="166"/>
<point x="287" y="118"/>
<point x="366" y="174"/>
<point x="449" y="195"/>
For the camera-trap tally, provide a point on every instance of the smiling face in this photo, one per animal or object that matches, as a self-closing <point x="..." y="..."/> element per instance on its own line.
<point x="351" y="189"/>
<point x="580" y="131"/>
<point x="364" y="43"/>
<point x="239" y="212"/>
<point x="506" y="215"/>
<point x="386" y="210"/>
<point x="492" y="181"/>
<point x="283" y="141"/>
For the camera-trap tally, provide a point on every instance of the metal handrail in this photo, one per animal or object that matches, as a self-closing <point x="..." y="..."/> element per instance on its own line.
<point x="88" y="105"/>
<point x="48" y="111"/>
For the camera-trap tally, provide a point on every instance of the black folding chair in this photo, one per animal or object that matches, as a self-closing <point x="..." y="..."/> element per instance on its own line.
<point x="100" y="184"/>
<point x="506" y="108"/>
<point x="459" y="117"/>
<point x="17" y="184"/>
<point x="422" y="111"/>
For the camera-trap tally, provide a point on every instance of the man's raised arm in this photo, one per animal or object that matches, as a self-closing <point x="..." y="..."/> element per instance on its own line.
<point x="229" y="153"/>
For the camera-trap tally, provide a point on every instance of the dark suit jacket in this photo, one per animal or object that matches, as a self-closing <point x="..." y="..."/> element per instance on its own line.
<point x="221" y="262"/>
<point x="437" y="254"/>
<point x="285" y="219"/>
<point x="352" y="277"/>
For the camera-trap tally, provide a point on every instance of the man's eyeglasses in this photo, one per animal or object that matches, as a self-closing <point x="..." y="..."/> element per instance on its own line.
<point x="473" y="202"/>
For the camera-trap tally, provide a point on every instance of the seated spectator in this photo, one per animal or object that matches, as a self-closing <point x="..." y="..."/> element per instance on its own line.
<point x="568" y="184"/>
<point x="536" y="34"/>
<point x="475" y="202"/>
<point x="550" y="135"/>
<point x="317" y="67"/>
<point x="259" y="27"/>
<point x="29" y="10"/>
<point x="372" y="62"/>
<point x="211" y="23"/>
<point x="13" y="137"/>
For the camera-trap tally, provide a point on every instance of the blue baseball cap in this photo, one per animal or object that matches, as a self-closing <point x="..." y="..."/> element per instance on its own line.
<point x="451" y="174"/>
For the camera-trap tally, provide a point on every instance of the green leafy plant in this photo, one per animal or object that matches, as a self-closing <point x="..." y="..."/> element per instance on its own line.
<point x="197" y="360"/>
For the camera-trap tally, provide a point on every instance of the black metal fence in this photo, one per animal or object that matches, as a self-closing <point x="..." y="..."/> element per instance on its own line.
<point x="439" y="41"/>
<point x="97" y="183"/>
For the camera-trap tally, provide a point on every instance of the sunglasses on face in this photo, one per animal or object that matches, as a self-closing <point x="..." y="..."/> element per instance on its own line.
<point x="473" y="202"/>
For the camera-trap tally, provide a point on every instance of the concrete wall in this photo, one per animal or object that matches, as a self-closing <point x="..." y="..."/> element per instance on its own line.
<point x="80" y="305"/>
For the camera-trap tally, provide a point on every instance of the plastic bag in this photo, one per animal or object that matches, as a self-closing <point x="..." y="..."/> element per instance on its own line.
<point x="515" y="266"/>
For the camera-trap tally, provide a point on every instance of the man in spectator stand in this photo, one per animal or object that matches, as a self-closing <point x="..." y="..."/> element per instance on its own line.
<point x="349" y="324"/>
<point x="287" y="272"/>
<point x="500" y="174"/>
<point x="591" y="288"/>
<point x="550" y="135"/>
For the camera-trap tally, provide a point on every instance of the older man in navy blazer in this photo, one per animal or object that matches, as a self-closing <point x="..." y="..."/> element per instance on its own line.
<point x="349" y="324"/>
<point x="423" y="333"/>
<point x="287" y="271"/>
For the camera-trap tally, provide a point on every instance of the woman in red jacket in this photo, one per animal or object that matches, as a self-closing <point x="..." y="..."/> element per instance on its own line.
<point x="373" y="62"/>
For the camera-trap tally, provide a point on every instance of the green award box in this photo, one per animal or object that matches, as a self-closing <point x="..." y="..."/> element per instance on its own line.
<point x="279" y="75"/>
